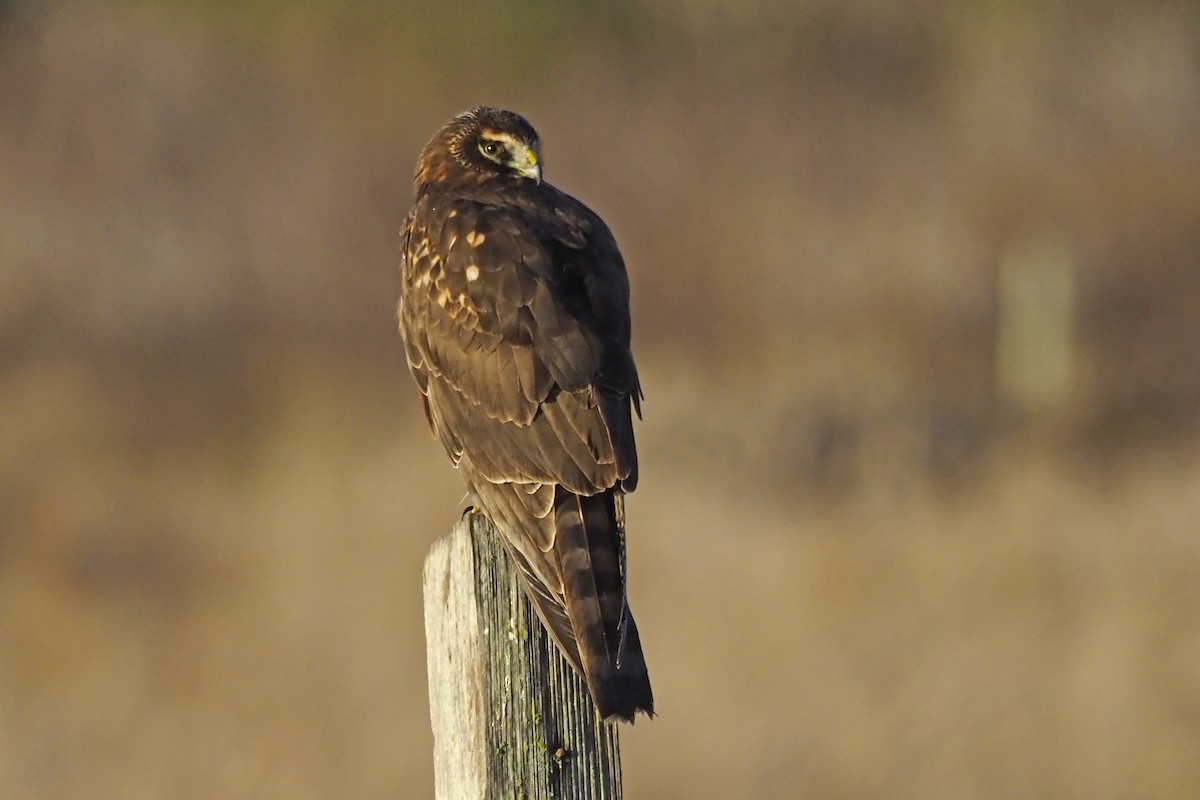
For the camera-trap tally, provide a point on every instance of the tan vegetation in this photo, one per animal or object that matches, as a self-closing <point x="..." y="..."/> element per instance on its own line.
<point x="870" y="558"/>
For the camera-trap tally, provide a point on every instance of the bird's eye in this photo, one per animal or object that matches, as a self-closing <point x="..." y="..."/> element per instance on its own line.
<point x="491" y="148"/>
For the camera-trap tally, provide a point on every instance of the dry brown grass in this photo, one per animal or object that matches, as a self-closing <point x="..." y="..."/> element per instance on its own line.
<point x="859" y="571"/>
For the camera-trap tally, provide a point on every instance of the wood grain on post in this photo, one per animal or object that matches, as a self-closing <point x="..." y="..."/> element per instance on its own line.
<point x="511" y="719"/>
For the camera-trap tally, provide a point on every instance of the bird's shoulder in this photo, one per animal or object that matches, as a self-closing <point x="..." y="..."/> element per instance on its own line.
<point x="541" y="213"/>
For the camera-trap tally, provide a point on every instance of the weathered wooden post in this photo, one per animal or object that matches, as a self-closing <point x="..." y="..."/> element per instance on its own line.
<point x="511" y="719"/>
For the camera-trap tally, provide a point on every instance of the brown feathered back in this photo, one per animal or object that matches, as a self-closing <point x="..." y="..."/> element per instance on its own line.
<point x="515" y="317"/>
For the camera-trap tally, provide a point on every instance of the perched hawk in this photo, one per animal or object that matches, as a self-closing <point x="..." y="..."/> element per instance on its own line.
<point x="515" y="317"/>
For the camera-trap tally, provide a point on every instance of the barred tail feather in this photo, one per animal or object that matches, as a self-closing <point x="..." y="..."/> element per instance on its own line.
<point x="589" y="545"/>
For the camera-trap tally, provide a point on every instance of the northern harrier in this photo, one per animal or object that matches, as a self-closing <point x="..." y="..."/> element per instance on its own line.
<point x="515" y="317"/>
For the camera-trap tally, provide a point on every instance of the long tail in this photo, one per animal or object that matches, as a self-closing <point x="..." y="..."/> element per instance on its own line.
<point x="590" y="547"/>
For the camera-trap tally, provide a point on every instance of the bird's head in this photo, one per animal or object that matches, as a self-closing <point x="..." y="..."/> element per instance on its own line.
<point x="483" y="143"/>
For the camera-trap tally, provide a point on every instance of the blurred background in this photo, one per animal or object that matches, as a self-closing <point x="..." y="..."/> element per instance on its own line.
<point x="916" y="297"/>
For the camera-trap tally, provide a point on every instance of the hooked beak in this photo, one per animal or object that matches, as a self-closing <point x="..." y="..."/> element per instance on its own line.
<point x="530" y="168"/>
